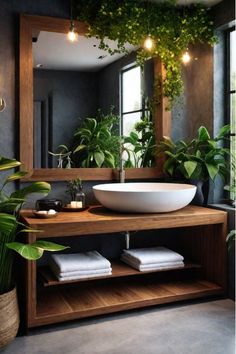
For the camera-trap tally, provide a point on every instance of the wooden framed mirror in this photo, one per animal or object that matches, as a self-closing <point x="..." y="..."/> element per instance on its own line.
<point x="29" y="25"/>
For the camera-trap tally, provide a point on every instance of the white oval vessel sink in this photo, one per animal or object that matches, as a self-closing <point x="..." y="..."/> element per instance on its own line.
<point x="144" y="197"/>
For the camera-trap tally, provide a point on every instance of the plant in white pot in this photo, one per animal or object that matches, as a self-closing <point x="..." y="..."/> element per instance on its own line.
<point x="10" y="231"/>
<point x="201" y="159"/>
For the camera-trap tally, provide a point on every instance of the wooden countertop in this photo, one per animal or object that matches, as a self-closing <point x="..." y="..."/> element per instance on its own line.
<point x="97" y="220"/>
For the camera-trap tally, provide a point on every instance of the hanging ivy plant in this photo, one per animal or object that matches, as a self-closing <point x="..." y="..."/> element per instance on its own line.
<point x="172" y="28"/>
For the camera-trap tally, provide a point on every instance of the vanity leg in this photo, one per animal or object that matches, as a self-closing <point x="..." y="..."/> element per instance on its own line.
<point x="31" y="298"/>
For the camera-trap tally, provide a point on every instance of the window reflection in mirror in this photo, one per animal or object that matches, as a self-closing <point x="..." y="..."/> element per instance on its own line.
<point x="72" y="82"/>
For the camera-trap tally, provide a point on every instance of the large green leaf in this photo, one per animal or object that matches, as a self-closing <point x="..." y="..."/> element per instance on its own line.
<point x="49" y="246"/>
<point x="212" y="143"/>
<point x="80" y="148"/>
<point x="203" y="134"/>
<point x="35" y="187"/>
<point x="224" y="131"/>
<point x="83" y="132"/>
<point x="212" y="170"/>
<point x="7" y="164"/>
<point x="169" y="166"/>
<point x="91" y="124"/>
<point x="109" y="159"/>
<point x="99" y="158"/>
<point x="15" y="176"/>
<point x="8" y="223"/>
<point x="190" y="167"/>
<point x="11" y="204"/>
<point x="134" y="136"/>
<point x="34" y="250"/>
<point x="26" y="251"/>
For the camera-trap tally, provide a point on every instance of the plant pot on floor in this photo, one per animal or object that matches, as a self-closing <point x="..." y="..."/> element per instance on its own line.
<point x="9" y="315"/>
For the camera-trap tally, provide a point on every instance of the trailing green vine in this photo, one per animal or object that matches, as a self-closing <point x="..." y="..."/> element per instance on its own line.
<point x="172" y="28"/>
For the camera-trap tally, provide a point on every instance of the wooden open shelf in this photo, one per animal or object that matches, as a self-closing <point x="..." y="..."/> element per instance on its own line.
<point x="100" y="298"/>
<point x="197" y="233"/>
<point x="119" y="269"/>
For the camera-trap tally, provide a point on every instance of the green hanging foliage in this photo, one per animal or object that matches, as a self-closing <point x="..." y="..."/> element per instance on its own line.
<point x="172" y="28"/>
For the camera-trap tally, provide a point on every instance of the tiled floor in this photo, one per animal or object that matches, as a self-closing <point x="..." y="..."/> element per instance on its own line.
<point x="195" y="328"/>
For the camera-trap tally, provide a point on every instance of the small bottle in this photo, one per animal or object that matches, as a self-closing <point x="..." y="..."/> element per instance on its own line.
<point x="80" y="197"/>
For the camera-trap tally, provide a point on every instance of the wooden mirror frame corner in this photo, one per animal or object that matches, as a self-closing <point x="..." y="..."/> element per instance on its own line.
<point x="162" y="118"/>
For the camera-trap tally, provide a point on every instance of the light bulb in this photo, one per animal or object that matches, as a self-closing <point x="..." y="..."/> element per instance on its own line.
<point x="72" y="34"/>
<point x="186" y="57"/>
<point x="148" y="43"/>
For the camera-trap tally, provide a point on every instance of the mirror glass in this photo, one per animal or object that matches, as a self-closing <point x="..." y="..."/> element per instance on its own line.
<point x="75" y="81"/>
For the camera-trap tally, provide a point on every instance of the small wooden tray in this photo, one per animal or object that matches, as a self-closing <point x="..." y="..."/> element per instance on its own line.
<point x="70" y="209"/>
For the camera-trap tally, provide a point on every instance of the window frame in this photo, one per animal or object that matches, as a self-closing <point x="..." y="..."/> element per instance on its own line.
<point x="143" y="109"/>
<point x="227" y="97"/>
<point x="227" y="71"/>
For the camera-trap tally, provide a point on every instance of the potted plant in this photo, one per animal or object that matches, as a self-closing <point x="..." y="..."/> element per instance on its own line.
<point x="77" y="196"/>
<point x="140" y="145"/>
<point x="97" y="142"/>
<point x="201" y="159"/>
<point x="10" y="229"/>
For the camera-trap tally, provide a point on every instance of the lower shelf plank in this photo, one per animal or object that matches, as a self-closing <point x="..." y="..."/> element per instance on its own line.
<point x="59" y="305"/>
<point x="119" y="269"/>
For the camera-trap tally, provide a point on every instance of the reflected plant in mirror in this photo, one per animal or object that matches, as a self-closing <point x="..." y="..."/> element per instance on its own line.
<point x="63" y="156"/>
<point x="98" y="141"/>
<point x="140" y="145"/>
<point x="72" y="85"/>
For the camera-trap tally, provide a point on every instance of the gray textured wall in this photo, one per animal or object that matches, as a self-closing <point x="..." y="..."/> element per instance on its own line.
<point x="75" y="96"/>
<point x="195" y="106"/>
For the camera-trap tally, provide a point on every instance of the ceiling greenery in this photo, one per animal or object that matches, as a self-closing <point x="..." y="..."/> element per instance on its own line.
<point x="172" y="28"/>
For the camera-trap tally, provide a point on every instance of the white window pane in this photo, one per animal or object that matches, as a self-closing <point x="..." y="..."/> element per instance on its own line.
<point x="129" y="121"/>
<point x="131" y="85"/>
<point x="233" y="60"/>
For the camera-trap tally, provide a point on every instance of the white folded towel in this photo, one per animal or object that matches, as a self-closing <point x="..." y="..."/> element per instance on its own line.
<point x="152" y="266"/>
<point x="88" y="275"/>
<point x="153" y="255"/>
<point x="74" y="273"/>
<point x="79" y="262"/>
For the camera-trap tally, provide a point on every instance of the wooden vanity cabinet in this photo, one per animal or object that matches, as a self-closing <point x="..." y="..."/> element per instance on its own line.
<point x="201" y="237"/>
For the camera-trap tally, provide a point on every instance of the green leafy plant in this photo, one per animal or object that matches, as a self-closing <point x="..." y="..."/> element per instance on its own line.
<point x="202" y="158"/>
<point x="73" y="186"/>
<point x="140" y="145"/>
<point x="172" y="29"/>
<point x="97" y="142"/>
<point x="11" y="228"/>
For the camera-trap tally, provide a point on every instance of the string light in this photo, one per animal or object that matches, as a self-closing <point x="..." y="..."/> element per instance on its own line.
<point x="72" y="34"/>
<point x="186" y="58"/>
<point x="148" y="43"/>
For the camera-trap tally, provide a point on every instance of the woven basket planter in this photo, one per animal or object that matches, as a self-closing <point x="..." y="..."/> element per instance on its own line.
<point x="9" y="315"/>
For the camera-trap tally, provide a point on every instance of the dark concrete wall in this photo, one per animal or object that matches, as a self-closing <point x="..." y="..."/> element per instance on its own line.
<point x="74" y="95"/>
<point x="9" y="34"/>
<point x="223" y="12"/>
<point x="195" y="106"/>
<point x="9" y="43"/>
